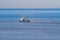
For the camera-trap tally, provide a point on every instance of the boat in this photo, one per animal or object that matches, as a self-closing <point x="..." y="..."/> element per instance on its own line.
<point x="24" y="19"/>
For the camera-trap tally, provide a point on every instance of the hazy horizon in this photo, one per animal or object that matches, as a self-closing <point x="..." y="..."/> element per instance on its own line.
<point x="29" y="3"/>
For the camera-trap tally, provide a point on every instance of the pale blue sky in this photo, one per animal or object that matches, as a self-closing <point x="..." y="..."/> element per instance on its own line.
<point x="29" y="3"/>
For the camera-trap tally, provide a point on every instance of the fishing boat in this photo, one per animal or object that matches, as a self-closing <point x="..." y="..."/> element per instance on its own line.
<point x="24" y="19"/>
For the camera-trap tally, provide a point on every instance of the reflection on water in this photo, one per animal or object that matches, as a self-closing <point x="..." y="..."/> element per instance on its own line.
<point x="35" y="30"/>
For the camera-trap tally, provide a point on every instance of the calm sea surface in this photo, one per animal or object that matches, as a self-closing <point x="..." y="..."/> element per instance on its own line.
<point x="44" y="25"/>
<point x="12" y="29"/>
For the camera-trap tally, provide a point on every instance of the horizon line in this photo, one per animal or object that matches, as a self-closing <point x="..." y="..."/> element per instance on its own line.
<point x="29" y="8"/>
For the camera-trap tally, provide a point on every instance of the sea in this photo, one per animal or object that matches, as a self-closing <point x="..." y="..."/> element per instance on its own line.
<point x="44" y="24"/>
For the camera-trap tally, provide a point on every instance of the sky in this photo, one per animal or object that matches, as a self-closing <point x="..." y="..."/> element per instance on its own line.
<point x="29" y="3"/>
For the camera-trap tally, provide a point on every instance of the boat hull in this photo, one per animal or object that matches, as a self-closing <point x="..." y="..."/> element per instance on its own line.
<point x="24" y="21"/>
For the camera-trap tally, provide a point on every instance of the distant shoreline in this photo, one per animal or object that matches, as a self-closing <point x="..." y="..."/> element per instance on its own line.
<point x="29" y="8"/>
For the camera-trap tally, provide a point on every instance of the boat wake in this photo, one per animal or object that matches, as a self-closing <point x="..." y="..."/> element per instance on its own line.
<point x="46" y="21"/>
